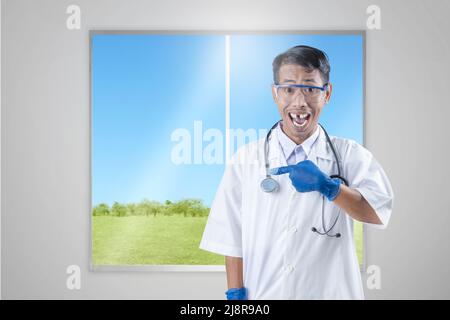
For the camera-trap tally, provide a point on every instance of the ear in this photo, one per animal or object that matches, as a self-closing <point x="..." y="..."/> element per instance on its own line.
<point x="274" y="94"/>
<point x="328" y="92"/>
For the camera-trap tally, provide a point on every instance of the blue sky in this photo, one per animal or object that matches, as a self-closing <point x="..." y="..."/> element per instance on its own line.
<point x="144" y="87"/>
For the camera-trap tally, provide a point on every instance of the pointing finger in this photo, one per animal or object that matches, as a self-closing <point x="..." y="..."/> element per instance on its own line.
<point x="280" y="170"/>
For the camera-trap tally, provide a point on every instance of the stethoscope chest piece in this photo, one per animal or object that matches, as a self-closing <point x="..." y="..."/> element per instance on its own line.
<point x="269" y="185"/>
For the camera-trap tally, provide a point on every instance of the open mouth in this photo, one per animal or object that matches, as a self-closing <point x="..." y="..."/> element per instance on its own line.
<point x="300" y="119"/>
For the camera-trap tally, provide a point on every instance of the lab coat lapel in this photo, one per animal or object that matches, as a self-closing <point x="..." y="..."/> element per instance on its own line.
<point x="320" y="149"/>
<point x="276" y="157"/>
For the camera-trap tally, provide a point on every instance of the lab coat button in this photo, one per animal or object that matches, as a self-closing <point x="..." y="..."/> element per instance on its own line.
<point x="289" y="268"/>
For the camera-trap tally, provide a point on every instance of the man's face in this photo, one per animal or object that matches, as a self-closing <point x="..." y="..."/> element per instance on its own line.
<point x="300" y="116"/>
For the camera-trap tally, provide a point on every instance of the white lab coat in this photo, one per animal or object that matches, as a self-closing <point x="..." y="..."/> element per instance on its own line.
<point x="282" y="257"/>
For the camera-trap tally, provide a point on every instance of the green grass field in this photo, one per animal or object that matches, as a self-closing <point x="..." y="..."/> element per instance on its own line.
<point x="137" y="240"/>
<point x="358" y="236"/>
<point x="150" y="240"/>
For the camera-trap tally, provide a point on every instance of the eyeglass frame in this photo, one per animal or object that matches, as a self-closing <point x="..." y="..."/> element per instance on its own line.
<point x="287" y="85"/>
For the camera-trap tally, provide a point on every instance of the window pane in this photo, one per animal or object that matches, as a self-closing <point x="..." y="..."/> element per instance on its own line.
<point x="154" y="98"/>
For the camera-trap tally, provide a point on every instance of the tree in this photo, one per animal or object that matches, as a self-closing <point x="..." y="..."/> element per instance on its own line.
<point x="118" y="210"/>
<point x="101" y="209"/>
<point x="186" y="207"/>
<point x="130" y="209"/>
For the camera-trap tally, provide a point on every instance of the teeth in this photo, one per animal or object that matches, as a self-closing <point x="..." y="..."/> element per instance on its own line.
<point x="301" y="116"/>
<point x="297" y="117"/>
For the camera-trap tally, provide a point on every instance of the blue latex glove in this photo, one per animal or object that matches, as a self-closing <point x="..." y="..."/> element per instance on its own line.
<point x="306" y="177"/>
<point x="236" y="294"/>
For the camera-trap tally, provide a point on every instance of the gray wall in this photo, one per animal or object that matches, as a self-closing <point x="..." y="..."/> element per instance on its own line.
<point x="45" y="138"/>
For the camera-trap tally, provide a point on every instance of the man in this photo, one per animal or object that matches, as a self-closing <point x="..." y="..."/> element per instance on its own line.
<point x="294" y="243"/>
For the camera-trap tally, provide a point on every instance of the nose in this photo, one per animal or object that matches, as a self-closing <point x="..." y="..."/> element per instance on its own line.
<point x="299" y="100"/>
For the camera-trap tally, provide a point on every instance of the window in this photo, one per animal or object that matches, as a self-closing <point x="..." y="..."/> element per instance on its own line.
<point x="160" y="107"/>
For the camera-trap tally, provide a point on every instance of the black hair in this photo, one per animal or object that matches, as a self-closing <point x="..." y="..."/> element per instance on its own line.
<point x="305" y="56"/>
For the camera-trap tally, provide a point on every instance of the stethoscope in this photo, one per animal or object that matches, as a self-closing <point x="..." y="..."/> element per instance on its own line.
<point x="269" y="184"/>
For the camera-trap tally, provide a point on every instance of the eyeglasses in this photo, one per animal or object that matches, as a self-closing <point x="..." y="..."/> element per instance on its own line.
<point x="288" y="92"/>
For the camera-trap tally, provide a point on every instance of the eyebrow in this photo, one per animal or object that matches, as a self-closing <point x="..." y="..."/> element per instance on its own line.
<point x="306" y="80"/>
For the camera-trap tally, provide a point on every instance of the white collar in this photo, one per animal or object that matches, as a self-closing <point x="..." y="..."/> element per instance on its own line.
<point x="320" y="149"/>
<point x="288" y="146"/>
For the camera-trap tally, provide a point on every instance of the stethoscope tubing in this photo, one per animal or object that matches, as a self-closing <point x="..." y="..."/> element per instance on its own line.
<point x="269" y="185"/>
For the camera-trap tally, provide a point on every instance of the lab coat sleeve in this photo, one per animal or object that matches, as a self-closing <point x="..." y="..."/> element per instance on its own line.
<point x="222" y="233"/>
<point x="367" y="176"/>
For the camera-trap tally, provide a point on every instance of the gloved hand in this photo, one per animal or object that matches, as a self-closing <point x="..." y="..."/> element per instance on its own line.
<point x="236" y="294"/>
<point x="306" y="177"/>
